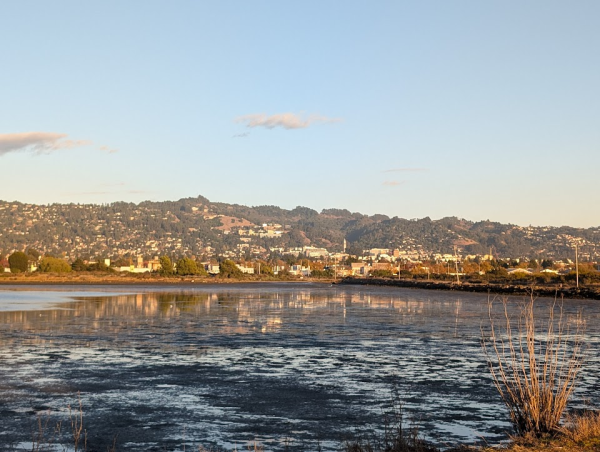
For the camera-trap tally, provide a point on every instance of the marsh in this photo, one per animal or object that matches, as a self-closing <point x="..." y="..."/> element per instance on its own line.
<point x="296" y="366"/>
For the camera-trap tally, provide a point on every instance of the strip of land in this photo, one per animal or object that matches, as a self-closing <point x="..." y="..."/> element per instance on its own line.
<point x="143" y="279"/>
<point x="587" y="292"/>
<point x="590" y="292"/>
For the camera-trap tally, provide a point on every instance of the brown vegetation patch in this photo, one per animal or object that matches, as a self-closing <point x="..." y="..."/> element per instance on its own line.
<point x="579" y="434"/>
<point x="227" y="223"/>
<point x="325" y="243"/>
<point x="305" y="239"/>
<point x="464" y="242"/>
<point x="534" y="364"/>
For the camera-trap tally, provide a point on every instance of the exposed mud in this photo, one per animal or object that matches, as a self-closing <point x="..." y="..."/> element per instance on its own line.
<point x="293" y="366"/>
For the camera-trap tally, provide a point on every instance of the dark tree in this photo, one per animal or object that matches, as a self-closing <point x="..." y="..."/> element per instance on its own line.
<point x="79" y="266"/>
<point x="18" y="262"/>
<point x="166" y="266"/>
<point x="33" y="254"/>
<point x="100" y="266"/>
<point x="547" y="263"/>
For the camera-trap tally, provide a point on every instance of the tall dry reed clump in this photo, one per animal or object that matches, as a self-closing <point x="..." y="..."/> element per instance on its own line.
<point x="534" y="363"/>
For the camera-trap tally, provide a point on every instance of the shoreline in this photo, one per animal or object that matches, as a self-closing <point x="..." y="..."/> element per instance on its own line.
<point x="113" y="280"/>
<point x="585" y="293"/>
<point x="572" y="292"/>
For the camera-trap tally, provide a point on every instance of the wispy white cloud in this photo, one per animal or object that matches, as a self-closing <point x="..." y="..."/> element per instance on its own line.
<point x="241" y="135"/>
<point x="109" y="150"/>
<point x="394" y="183"/>
<point x="285" y="120"/>
<point x="405" y="170"/>
<point x="37" y="142"/>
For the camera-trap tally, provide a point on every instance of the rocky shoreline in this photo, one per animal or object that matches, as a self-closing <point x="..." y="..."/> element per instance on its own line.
<point x="589" y="293"/>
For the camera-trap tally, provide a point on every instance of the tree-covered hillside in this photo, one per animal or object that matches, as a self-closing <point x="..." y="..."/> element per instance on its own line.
<point x="196" y="226"/>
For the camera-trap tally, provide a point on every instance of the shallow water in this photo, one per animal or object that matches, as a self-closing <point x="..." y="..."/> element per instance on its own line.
<point x="285" y="365"/>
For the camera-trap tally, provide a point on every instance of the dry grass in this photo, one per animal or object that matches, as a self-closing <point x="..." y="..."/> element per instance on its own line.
<point x="579" y="434"/>
<point x="584" y="429"/>
<point x="49" y="436"/>
<point x="397" y="436"/>
<point x="535" y="365"/>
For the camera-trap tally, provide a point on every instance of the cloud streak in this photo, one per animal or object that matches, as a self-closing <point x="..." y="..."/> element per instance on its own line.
<point x="284" y="120"/>
<point x="405" y="170"/>
<point x="109" y="150"/>
<point x="37" y="142"/>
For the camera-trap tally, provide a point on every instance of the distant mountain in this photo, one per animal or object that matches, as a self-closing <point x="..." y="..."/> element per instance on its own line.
<point x="196" y="226"/>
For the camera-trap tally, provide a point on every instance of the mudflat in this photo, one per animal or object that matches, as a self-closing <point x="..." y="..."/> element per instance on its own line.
<point x="296" y="366"/>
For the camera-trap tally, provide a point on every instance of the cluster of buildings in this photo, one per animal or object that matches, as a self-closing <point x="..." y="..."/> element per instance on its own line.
<point x="124" y="230"/>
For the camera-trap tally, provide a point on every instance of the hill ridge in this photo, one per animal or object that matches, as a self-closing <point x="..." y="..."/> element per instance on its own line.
<point x="197" y="226"/>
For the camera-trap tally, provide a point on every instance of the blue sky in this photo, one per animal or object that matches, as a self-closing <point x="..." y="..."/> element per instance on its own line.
<point x="481" y="110"/>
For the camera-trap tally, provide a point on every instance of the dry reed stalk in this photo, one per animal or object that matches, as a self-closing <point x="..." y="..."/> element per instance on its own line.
<point x="534" y="367"/>
<point x="255" y="447"/>
<point x="113" y="446"/>
<point x="77" y="430"/>
<point x="40" y="442"/>
<point x="583" y="427"/>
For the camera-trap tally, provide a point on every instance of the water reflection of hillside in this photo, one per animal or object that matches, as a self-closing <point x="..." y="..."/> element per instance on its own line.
<point x="247" y="306"/>
<point x="157" y="315"/>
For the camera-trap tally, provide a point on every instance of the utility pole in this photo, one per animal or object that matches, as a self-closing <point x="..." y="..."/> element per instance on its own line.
<point x="576" y="266"/>
<point x="335" y="267"/>
<point x="456" y="266"/>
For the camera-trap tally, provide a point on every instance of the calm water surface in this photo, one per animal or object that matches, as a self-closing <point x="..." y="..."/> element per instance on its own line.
<point x="286" y="365"/>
